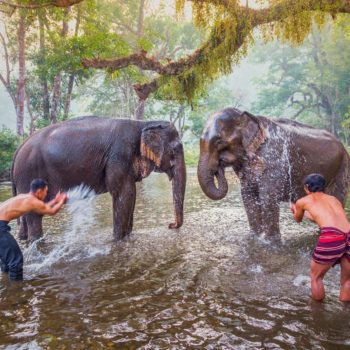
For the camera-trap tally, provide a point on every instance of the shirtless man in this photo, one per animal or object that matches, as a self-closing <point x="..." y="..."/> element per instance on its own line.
<point x="11" y="257"/>
<point x="333" y="246"/>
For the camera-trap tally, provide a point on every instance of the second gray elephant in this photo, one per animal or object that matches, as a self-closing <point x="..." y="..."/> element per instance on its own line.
<point x="271" y="157"/>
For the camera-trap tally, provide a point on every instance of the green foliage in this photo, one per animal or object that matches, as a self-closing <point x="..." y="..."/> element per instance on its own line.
<point x="8" y="145"/>
<point x="191" y="154"/>
<point x="231" y="34"/>
<point x="310" y="83"/>
<point x="163" y="37"/>
<point x="220" y="95"/>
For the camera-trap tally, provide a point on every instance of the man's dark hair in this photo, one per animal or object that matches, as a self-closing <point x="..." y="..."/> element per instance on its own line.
<point x="315" y="183"/>
<point x="37" y="184"/>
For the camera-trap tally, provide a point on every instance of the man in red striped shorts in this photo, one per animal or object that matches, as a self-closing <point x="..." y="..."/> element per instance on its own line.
<point x="333" y="245"/>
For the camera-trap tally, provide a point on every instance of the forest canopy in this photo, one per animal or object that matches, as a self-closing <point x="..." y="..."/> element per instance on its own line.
<point x="138" y="59"/>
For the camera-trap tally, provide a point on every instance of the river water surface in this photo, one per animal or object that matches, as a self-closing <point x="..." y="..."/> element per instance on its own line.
<point x="209" y="285"/>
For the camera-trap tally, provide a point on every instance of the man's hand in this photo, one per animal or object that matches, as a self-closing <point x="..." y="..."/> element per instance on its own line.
<point x="59" y="197"/>
<point x="292" y="207"/>
<point x="298" y="210"/>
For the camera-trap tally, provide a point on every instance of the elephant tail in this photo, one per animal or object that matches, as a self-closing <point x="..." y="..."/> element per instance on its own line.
<point x="14" y="189"/>
<point x="347" y="173"/>
<point x="343" y="179"/>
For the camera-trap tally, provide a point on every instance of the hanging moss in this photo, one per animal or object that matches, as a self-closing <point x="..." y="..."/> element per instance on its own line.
<point x="231" y="35"/>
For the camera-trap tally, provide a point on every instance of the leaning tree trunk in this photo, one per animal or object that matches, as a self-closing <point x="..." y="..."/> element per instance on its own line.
<point x="21" y="33"/>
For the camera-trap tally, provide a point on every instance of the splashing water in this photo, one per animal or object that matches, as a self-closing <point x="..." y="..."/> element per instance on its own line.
<point x="301" y="280"/>
<point x="78" y="240"/>
<point x="77" y="194"/>
<point x="285" y="157"/>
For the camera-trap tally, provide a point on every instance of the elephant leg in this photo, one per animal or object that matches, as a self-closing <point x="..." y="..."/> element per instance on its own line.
<point x="252" y="205"/>
<point x="123" y="207"/>
<point x="35" y="228"/>
<point x="270" y="213"/>
<point x="23" y="229"/>
<point x="131" y="219"/>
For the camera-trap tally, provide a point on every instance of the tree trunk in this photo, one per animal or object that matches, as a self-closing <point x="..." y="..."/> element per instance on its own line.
<point x="56" y="93"/>
<point x="44" y="84"/>
<point x="141" y="19"/>
<point x="6" y="78"/>
<point x="68" y="98"/>
<point x="140" y="110"/>
<point x="31" y="116"/>
<point x="333" y="123"/>
<point x="21" y="32"/>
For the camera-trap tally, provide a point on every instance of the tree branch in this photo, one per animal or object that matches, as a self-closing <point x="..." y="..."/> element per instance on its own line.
<point x="33" y="5"/>
<point x="257" y="17"/>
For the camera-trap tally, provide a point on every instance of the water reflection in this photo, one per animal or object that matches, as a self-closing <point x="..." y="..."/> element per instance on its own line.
<point x="209" y="285"/>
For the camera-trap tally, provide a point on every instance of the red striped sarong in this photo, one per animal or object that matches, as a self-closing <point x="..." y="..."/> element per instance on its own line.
<point x="332" y="245"/>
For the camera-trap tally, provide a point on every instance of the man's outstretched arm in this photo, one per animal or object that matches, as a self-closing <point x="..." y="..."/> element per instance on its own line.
<point x="50" y="208"/>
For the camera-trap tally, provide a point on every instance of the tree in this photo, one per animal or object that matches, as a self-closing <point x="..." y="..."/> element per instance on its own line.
<point x="163" y="36"/>
<point x="14" y="50"/>
<point x="8" y="144"/>
<point x="310" y="83"/>
<point x="219" y="95"/>
<point x="230" y="27"/>
<point x="9" y="6"/>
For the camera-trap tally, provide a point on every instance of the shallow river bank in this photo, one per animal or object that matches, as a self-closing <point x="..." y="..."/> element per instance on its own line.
<point x="209" y="285"/>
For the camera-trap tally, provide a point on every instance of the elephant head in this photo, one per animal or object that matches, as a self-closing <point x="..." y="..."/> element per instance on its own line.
<point x="162" y="151"/>
<point x="230" y="138"/>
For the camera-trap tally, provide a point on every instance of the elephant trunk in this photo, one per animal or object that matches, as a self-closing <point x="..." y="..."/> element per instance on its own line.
<point x="179" y="186"/>
<point x="206" y="179"/>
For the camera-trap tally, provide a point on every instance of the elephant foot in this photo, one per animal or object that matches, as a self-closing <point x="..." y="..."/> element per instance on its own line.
<point x="33" y="238"/>
<point x="22" y="233"/>
<point x="22" y="236"/>
<point x="273" y="238"/>
<point x="118" y="236"/>
<point x="272" y="233"/>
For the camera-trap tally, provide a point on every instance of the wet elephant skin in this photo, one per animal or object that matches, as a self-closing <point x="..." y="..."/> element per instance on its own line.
<point x="105" y="154"/>
<point x="271" y="157"/>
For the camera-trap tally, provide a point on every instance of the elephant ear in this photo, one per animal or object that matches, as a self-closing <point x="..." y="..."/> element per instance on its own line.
<point x="253" y="136"/>
<point x="152" y="145"/>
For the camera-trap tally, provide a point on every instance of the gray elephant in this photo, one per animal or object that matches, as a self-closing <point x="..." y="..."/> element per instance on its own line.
<point x="271" y="157"/>
<point x="107" y="155"/>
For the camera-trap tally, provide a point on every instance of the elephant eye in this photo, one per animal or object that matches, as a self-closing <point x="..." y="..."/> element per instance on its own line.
<point x="221" y="143"/>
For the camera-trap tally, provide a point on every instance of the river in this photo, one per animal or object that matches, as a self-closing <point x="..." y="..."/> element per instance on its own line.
<point x="208" y="285"/>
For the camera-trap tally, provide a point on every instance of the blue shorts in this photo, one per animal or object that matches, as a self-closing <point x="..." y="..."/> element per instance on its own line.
<point x="11" y="257"/>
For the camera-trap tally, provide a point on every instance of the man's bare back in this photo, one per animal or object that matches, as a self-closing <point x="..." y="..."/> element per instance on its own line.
<point x="323" y="209"/>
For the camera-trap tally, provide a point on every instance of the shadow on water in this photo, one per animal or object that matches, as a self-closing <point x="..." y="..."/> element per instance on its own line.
<point x="209" y="285"/>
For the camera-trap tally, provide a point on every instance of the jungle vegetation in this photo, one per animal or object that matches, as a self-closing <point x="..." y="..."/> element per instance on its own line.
<point x="141" y="59"/>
